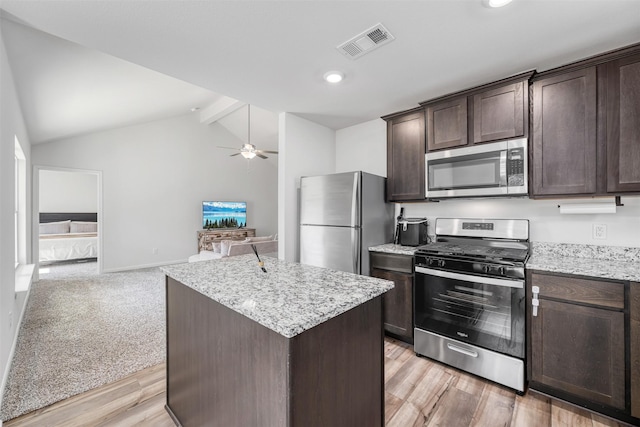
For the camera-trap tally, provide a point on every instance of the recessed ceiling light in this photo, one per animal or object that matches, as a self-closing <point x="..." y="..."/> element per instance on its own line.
<point x="496" y="3"/>
<point x="333" y="76"/>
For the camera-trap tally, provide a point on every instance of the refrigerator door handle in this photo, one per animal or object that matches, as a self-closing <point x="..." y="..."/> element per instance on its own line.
<point x="355" y="245"/>
<point x="355" y="202"/>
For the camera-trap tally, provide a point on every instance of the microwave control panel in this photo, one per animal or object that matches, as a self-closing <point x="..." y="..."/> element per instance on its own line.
<point x="515" y="167"/>
<point x="515" y="164"/>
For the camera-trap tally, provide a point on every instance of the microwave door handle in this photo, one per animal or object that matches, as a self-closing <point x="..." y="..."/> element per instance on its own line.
<point x="503" y="168"/>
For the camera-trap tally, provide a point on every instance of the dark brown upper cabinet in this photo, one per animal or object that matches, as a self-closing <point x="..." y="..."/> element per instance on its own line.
<point x="499" y="113"/>
<point x="405" y="156"/>
<point x="487" y="113"/>
<point x="564" y="133"/>
<point x="447" y="124"/>
<point x="622" y="86"/>
<point x="585" y="127"/>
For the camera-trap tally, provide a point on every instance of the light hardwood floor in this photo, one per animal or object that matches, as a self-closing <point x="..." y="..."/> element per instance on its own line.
<point x="418" y="392"/>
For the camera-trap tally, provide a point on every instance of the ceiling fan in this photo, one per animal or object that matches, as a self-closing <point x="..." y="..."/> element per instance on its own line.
<point x="248" y="150"/>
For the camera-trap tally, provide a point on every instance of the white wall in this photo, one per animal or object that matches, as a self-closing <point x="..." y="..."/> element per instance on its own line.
<point x="154" y="179"/>
<point x="362" y="147"/>
<point x="11" y="125"/>
<point x="546" y="223"/>
<point x="306" y="148"/>
<point x="62" y="191"/>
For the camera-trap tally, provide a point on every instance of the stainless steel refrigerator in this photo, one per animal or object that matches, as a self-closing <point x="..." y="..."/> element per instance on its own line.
<point x="341" y="215"/>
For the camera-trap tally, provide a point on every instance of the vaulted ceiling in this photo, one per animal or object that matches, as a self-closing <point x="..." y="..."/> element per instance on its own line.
<point x="273" y="54"/>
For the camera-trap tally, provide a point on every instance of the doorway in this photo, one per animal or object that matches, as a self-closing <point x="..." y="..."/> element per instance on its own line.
<point x="67" y="222"/>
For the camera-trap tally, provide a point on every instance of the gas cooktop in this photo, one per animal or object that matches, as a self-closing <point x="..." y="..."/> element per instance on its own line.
<point x="480" y="239"/>
<point x="470" y="250"/>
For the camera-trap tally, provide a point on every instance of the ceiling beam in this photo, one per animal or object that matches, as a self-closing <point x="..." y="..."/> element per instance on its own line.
<point x="222" y="107"/>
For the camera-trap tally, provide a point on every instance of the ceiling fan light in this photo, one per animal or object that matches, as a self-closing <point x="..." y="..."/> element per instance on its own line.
<point x="248" y="154"/>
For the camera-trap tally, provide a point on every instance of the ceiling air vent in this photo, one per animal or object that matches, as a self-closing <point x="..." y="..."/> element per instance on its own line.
<point x="366" y="41"/>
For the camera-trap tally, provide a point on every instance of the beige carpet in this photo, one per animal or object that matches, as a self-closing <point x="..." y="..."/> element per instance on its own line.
<point x="83" y="330"/>
<point x="68" y="269"/>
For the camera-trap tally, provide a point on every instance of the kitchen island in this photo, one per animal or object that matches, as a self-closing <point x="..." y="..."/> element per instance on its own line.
<point x="295" y="346"/>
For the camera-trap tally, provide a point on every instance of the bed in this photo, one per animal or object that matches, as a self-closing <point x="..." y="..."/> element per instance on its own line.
<point x="68" y="236"/>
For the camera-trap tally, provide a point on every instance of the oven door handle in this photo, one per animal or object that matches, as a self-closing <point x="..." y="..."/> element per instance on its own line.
<point x="471" y="278"/>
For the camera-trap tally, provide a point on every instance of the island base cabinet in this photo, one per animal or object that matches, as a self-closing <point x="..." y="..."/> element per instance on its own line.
<point x="224" y="369"/>
<point x="634" y="307"/>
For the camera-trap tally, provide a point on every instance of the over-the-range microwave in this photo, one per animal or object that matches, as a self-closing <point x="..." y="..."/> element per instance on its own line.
<point x="493" y="169"/>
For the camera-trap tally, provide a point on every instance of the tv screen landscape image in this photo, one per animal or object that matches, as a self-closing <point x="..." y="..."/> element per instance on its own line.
<point x="224" y="214"/>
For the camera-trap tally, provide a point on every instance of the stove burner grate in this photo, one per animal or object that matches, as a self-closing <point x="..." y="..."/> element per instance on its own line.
<point x="474" y="251"/>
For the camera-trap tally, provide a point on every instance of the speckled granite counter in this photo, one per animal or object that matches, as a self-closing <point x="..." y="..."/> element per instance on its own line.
<point x="289" y="299"/>
<point x="391" y="248"/>
<point x="609" y="262"/>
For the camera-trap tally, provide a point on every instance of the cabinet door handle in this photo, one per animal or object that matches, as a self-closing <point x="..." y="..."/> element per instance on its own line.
<point x="535" y="290"/>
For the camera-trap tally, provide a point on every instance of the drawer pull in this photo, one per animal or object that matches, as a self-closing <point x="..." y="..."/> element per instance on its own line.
<point x="462" y="350"/>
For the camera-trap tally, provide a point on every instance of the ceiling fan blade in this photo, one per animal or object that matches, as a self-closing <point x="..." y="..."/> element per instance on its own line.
<point x="261" y="156"/>
<point x="267" y="151"/>
<point x="231" y="155"/>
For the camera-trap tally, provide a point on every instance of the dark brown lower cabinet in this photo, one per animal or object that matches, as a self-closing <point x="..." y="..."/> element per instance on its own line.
<point x="398" y="302"/>
<point x="634" y="334"/>
<point x="579" y="350"/>
<point x="578" y="342"/>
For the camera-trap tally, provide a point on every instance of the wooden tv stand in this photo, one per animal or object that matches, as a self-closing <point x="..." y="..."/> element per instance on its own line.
<point x="207" y="237"/>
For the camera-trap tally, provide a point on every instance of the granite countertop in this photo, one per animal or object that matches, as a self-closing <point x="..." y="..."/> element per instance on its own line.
<point x="288" y="299"/>
<point x="608" y="262"/>
<point x="391" y="248"/>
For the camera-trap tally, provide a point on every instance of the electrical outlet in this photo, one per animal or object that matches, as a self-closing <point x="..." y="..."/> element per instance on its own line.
<point x="154" y="251"/>
<point x="600" y="231"/>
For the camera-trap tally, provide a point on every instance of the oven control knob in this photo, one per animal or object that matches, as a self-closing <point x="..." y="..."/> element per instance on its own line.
<point x="501" y="271"/>
<point x="441" y="263"/>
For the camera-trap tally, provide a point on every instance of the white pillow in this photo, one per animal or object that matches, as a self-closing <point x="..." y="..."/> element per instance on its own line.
<point x="84" y="227"/>
<point x="215" y="246"/>
<point x="57" y="227"/>
<point x="224" y="246"/>
<point x="258" y="239"/>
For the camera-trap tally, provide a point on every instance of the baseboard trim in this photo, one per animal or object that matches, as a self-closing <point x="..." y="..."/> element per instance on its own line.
<point x="14" y="342"/>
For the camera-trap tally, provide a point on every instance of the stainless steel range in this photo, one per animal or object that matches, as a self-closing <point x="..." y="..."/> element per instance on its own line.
<point x="469" y="300"/>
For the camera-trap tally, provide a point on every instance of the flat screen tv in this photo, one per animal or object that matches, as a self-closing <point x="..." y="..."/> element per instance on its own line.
<point x="224" y="214"/>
